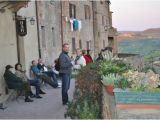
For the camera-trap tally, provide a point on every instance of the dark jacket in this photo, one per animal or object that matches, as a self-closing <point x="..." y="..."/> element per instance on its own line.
<point x="12" y="81"/>
<point x="65" y="63"/>
<point x="40" y="67"/>
<point x="35" y="70"/>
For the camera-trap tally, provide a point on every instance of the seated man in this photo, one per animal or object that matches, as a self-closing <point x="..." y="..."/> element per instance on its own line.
<point x="41" y="75"/>
<point x="41" y="66"/>
<point x="20" y="73"/>
<point x="16" y="83"/>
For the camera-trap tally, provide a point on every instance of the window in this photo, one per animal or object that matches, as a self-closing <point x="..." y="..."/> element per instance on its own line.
<point x="110" y="41"/>
<point x="43" y="37"/>
<point x="72" y="10"/>
<point x="103" y="20"/>
<point x="53" y="37"/>
<point x="88" y="45"/>
<point x="80" y="44"/>
<point x="73" y="45"/>
<point x="87" y="12"/>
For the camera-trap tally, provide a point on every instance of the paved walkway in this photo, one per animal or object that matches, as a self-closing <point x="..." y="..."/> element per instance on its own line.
<point x="49" y="107"/>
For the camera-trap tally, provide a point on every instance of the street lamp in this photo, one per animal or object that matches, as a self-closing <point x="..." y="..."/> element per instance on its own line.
<point x="32" y="21"/>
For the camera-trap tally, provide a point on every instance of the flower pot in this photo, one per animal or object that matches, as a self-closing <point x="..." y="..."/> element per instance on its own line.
<point x="109" y="89"/>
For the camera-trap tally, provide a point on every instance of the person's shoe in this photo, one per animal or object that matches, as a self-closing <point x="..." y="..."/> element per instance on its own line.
<point x="65" y="103"/>
<point x="28" y="100"/>
<point x="32" y="96"/>
<point x="38" y="97"/>
<point x="41" y="92"/>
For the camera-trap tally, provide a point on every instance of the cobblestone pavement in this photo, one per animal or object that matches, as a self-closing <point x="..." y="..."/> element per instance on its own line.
<point x="49" y="107"/>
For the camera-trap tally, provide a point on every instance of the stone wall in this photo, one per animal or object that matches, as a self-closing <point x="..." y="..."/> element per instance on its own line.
<point x="49" y="20"/>
<point x="28" y="45"/>
<point x="8" y="45"/>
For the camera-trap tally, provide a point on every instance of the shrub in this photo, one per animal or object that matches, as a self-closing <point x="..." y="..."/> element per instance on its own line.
<point x="88" y="93"/>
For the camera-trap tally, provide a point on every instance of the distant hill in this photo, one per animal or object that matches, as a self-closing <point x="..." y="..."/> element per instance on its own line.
<point x="135" y="35"/>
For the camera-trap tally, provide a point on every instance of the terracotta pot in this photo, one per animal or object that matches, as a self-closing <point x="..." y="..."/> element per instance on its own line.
<point x="109" y="89"/>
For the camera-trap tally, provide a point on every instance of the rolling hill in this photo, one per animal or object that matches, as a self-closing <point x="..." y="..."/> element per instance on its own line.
<point x="152" y="33"/>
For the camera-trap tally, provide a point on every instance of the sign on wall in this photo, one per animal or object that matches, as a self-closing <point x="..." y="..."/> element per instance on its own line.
<point x="21" y="27"/>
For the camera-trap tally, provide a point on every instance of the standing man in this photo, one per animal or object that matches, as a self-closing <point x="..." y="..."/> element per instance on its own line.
<point x="65" y="71"/>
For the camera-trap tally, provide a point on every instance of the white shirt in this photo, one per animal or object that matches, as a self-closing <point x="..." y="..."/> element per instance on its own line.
<point x="80" y="62"/>
<point x="45" y="69"/>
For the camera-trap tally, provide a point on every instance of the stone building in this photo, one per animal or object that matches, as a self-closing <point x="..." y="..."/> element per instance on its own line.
<point x="49" y="24"/>
<point x="83" y="36"/>
<point x="49" y="29"/>
<point x="104" y="33"/>
<point x="13" y="47"/>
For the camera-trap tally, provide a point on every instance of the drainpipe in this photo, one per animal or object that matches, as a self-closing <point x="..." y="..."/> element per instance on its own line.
<point x="39" y="44"/>
<point x="61" y="22"/>
<point x="17" y="38"/>
<point x="94" y="9"/>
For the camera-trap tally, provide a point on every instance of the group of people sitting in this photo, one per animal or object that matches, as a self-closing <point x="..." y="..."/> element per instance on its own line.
<point x="41" y="73"/>
<point x="20" y="82"/>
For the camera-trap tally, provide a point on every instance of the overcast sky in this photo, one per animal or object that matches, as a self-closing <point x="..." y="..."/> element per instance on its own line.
<point x="135" y="15"/>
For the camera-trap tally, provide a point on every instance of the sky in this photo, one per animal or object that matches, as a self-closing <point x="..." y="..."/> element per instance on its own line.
<point x="135" y="15"/>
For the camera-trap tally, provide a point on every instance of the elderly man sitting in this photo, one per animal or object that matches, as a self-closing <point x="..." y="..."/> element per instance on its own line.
<point x="16" y="83"/>
<point x="44" y="69"/>
<point x="41" y="75"/>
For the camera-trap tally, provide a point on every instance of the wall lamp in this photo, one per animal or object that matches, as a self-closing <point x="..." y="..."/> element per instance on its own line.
<point x="32" y="21"/>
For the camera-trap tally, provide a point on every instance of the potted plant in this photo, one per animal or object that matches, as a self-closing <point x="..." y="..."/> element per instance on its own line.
<point x="109" y="81"/>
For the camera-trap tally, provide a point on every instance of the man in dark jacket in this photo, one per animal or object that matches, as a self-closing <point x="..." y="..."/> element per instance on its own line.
<point x="16" y="83"/>
<point x="65" y="71"/>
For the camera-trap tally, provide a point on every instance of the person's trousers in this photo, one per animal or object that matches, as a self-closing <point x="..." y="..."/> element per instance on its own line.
<point x="36" y="84"/>
<point x="47" y="80"/>
<point x="52" y="75"/>
<point x="65" y="86"/>
<point x="26" y="87"/>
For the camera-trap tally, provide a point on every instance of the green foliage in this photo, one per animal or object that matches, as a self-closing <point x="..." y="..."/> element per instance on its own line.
<point x="123" y="83"/>
<point x="83" y="109"/>
<point x="149" y="57"/>
<point x="110" y="79"/>
<point x="88" y="94"/>
<point x="150" y="49"/>
<point x="148" y="67"/>
<point x="135" y="46"/>
<point x="107" y="67"/>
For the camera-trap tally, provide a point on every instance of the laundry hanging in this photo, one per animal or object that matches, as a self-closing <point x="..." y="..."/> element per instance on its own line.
<point x="71" y="21"/>
<point x="75" y="24"/>
<point x="79" y="25"/>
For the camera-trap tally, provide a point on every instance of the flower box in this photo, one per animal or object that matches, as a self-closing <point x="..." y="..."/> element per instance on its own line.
<point x="132" y="97"/>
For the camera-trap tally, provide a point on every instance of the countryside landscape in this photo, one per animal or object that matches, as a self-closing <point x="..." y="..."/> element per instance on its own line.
<point x="146" y="43"/>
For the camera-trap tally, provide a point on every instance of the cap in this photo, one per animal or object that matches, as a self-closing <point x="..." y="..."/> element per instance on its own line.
<point x="8" y="67"/>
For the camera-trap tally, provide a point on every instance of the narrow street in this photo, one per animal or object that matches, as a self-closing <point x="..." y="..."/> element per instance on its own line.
<point x="49" y="107"/>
